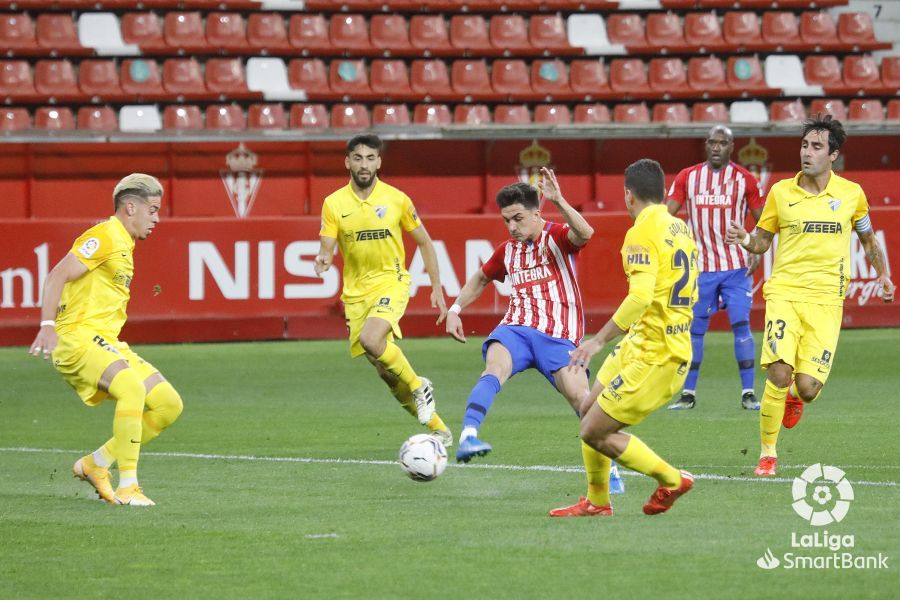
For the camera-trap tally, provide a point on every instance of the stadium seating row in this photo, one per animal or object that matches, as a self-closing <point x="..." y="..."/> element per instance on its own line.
<point x="129" y="80"/>
<point x="318" y="116"/>
<point x="430" y="35"/>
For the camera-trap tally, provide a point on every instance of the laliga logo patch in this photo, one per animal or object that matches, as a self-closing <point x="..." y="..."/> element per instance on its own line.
<point x="834" y="203"/>
<point x="824" y="480"/>
<point x="89" y="247"/>
<point x="380" y="211"/>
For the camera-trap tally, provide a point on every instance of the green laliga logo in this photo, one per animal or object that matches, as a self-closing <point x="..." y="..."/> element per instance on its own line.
<point x="814" y="495"/>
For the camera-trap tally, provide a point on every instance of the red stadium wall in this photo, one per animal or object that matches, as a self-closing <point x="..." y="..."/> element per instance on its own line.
<point x="205" y="274"/>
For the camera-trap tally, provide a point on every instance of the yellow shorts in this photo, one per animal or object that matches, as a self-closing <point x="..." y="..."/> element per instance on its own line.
<point x="803" y="335"/>
<point x="388" y="303"/>
<point x="632" y="388"/>
<point x="82" y="357"/>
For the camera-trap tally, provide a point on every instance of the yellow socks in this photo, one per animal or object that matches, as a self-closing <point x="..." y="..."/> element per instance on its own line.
<point x="404" y="396"/>
<point x="639" y="457"/>
<point x="771" y="412"/>
<point x="395" y="362"/>
<point x="596" y="467"/>
<point x="128" y="390"/>
<point x="163" y="406"/>
<point x="436" y="423"/>
<point x="105" y="455"/>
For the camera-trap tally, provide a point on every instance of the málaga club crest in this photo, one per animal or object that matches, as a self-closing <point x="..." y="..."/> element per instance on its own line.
<point x="241" y="179"/>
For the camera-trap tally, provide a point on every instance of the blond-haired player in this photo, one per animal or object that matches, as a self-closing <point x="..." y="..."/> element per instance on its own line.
<point x="814" y="214"/>
<point x="366" y="219"/>
<point x="85" y="299"/>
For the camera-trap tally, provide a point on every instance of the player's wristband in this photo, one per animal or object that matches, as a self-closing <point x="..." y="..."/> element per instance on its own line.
<point x="456" y="308"/>
<point x="745" y="241"/>
<point x="50" y="323"/>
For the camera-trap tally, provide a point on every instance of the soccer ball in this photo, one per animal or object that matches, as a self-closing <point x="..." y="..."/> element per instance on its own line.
<point x="423" y="457"/>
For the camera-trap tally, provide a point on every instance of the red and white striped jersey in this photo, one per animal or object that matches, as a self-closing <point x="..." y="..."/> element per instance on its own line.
<point x="712" y="199"/>
<point x="545" y="294"/>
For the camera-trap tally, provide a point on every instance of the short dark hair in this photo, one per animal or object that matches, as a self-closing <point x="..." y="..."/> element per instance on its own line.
<point x="836" y="134"/>
<point x="366" y="139"/>
<point x="646" y="180"/>
<point x="518" y="193"/>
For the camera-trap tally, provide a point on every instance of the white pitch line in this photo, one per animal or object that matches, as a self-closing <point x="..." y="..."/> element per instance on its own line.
<point x="359" y="461"/>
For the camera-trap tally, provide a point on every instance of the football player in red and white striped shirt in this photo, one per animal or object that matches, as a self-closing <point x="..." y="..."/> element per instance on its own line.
<point x="714" y="193"/>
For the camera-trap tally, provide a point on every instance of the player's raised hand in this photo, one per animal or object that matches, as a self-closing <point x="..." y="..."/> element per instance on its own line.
<point x="735" y="233"/>
<point x="887" y="288"/>
<point x="580" y="357"/>
<point x="44" y="342"/>
<point x="549" y="187"/>
<point x="455" y="328"/>
<point x="323" y="263"/>
<point x="438" y="302"/>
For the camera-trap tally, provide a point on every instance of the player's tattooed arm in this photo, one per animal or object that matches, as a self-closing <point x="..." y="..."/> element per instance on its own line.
<point x="876" y="257"/>
<point x="760" y="241"/>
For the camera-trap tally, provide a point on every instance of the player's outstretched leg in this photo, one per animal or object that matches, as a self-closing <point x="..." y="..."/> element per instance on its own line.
<point x="596" y="503"/>
<point x="664" y="497"/>
<point x="673" y="483"/>
<point x="770" y="415"/>
<point x="127" y="388"/>
<point x="480" y="400"/>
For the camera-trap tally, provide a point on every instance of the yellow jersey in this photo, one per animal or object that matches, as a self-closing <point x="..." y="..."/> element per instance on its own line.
<point x="662" y="245"/>
<point x="812" y="260"/>
<point x="97" y="301"/>
<point x="369" y="234"/>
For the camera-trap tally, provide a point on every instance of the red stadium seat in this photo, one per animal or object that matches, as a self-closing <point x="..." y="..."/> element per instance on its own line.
<point x="631" y="113"/>
<point x="628" y="75"/>
<point x="429" y="33"/>
<point x="390" y="33"/>
<point x="225" y="76"/>
<point x="226" y="31"/>
<point x="890" y="71"/>
<point x="308" y="74"/>
<point x="184" y="30"/>
<point x="16" y="78"/>
<point x="547" y="32"/>
<point x="469" y="32"/>
<point x="309" y="32"/>
<point x="99" y="78"/>
<point x="549" y="77"/>
<point x="741" y="29"/>
<point x="552" y="114"/>
<point x="866" y="109"/>
<point x="702" y="29"/>
<point x="667" y="75"/>
<point x="390" y="115"/>
<point x="510" y="77"/>
<point x="55" y="78"/>
<point x="856" y="28"/>
<point x="471" y="114"/>
<point x="266" y="116"/>
<point x="14" y="119"/>
<point x="671" y="112"/>
<point x="785" y="111"/>
<point x="822" y="70"/>
<point x="430" y="78"/>
<point x="390" y="78"/>
<point x="509" y="32"/>
<point x="309" y="116"/>
<point x="626" y="28"/>
<point x="829" y="106"/>
<point x="56" y="31"/>
<point x="470" y="78"/>
<point x="893" y="109"/>
<point x="709" y="112"/>
<point x="54" y="117"/>
<point x="182" y="76"/>
<point x="225" y="116"/>
<point x="435" y="115"/>
<point x="266" y="31"/>
<point x="141" y="78"/>
<point x="745" y="73"/>
<point x="861" y="71"/>
<point x="100" y="118"/>
<point x="664" y="29"/>
<point x="143" y="29"/>
<point x="182" y="117"/>
<point x="588" y="77"/>
<point x="817" y="27"/>
<point x="350" y="32"/>
<point x="351" y="116"/>
<point x="17" y="34"/>
<point x="780" y="28"/>
<point x="587" y="114"/>
<point x="512" y="114"/>
<point x="349" y="77"/>
<point x="706" y="74"/>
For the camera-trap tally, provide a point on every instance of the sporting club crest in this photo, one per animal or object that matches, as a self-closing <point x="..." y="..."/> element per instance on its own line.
<point x="241" y="180"/>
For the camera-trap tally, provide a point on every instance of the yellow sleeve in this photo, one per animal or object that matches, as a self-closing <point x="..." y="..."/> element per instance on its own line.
<point x="640" y="295"/>
<point x="409" y="219"/>
<point x="329" y="223"/>
<point x="862" y="207"/>
<point x="768" y="220"/>
<point x="93" y="247"/>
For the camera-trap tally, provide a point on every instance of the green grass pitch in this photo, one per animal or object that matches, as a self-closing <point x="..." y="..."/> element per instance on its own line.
<point x="331" y="515"/>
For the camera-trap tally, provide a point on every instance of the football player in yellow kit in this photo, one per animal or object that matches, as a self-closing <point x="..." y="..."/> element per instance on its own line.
<point x="84" y="308"/>
<point x="650" y="365"/>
